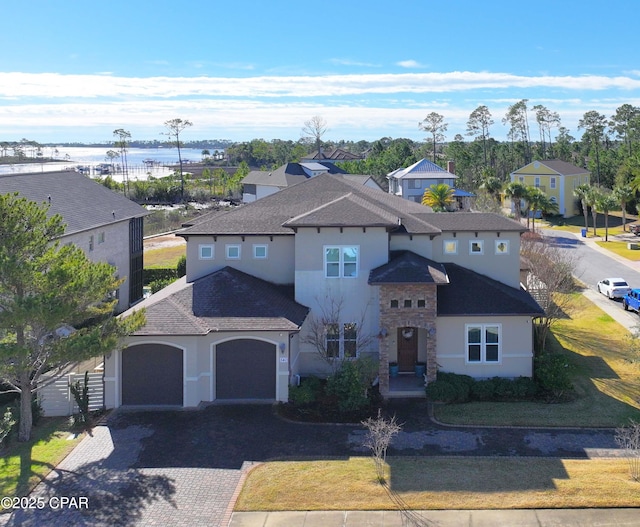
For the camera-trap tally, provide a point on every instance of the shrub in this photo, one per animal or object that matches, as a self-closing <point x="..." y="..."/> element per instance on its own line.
<point x="524" y="388"/>
<point x="461" y="384"/>
<point x="483" y="390"/>
<point x="154" y="274"/>
<point x="349" y="387"/>
<point x="308" y="392"/>
<point x="181" y="267"/>
<point x="442" y="391"/>
<point x="503" y="388"/>
<point x="552" y="376"/>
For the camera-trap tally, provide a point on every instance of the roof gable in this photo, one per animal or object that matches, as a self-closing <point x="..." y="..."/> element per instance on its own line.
<point x="551" y="167"/>
<point x="423" y="169"/>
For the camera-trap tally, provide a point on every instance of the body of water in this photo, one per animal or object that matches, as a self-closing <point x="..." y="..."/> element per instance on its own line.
<point x="141" y="162"/>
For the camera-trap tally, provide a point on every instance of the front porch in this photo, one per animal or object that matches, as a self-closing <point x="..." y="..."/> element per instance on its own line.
<point x="406" y="385"/>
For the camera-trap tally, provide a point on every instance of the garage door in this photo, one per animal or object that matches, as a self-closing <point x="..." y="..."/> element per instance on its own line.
<point x="152" y="375"/>
<point x="246" y="369"/>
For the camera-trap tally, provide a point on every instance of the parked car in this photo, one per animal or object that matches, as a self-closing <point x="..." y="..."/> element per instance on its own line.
<point x="635" y="228"/>
<point x="614" y="287"/>
<point x="631" y="301"/>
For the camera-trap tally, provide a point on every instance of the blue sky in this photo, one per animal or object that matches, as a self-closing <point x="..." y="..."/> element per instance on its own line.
<point x="76" y="70"/>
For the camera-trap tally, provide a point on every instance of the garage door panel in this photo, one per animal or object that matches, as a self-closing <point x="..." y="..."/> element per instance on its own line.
<point x="245" y="369"/>
<point x="152" y="374"/>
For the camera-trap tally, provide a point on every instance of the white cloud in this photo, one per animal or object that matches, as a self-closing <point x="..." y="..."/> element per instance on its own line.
<point x="409" y="64"/>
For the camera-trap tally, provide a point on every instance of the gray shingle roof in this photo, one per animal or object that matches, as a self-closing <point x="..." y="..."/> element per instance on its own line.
<point x="83" y="204"/>
<point x="471" y="221"/>
<point x="225" y="300"/>
<point x="561" y="167"/>
<point x="286" y="175"/>
<point x="409" y="268"/>
<point x="471" y="293"/>
<point x="269" y="215"/>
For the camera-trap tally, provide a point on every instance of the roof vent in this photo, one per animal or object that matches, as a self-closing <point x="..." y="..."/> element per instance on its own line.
<point x="113" y="213"/>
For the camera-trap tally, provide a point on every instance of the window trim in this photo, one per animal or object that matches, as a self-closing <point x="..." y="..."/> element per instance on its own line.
<point x="483" y="343"/>
<point x="229" y="246"/>
<point x="506" y="243"/>
<point x="480" y="244"/>
<point x="256" y="246"/>
<point x="444" y="246"/>
<point x="341" y="262"/>
<point x="206" y="246"/>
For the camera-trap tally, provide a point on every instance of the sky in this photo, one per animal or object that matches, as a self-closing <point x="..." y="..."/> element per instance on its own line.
<point x="76" y="70"/>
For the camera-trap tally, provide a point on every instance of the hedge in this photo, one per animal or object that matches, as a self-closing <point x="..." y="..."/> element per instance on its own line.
<point x="155" y="274"/>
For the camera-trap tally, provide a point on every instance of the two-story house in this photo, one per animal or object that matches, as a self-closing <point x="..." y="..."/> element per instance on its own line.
<point x="106" y="225"/>
<point x="557" y="179"/>
<point x="443" y="289"/>
<point x="412" y="182"/>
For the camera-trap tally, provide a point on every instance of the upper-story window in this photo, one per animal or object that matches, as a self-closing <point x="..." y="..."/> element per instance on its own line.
<point x="450" y="246"/>
<point x="259" y="252"/>
<point x="414" y="183"/>
<point x="537" y="182"/>
<point x="101" y="237"/>
<point x="233" y="252"/>
<point x="341" y="261"/>
<point x="476" y="247"/>
<point x="205" y="252"/>
<point x="552" y="182"/>
<point x="91" y="242"/>
<point x="502" y="246"/>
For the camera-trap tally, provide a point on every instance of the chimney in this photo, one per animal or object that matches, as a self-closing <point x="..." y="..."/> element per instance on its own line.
<point x="451" y="167"/>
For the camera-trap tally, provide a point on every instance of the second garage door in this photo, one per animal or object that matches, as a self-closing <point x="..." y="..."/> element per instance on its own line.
<point x="246" y="369"/>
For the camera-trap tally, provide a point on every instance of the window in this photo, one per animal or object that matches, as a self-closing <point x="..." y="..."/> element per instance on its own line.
<point x="476" y="247"/>
<point x="394" y="304"/>
<point x="333" y="340"/>
<point x="521" y="179"/>
<point x="407" y="303"/>
<point x="341" y="262"/>
<point x="233" y="252"/>
<point x="422" y="303"/>
<point x="101" y="237"/>
<point x="552" y="183"/>
<point x="502" y="246"/>
<point x="205" y="252"/>
<point x="483" y="343"/>
<point x="342" y="346"/>
<point x="415" y="183"/>
<point x="537" y="182"/>
<point x="91" y="242"/>
<point x="450" y="246"/>
<point x="350" y="339"/>
<point x="260" y="252"/>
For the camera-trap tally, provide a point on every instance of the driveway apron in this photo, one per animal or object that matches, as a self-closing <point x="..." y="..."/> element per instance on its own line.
<point x="183" y="467"/>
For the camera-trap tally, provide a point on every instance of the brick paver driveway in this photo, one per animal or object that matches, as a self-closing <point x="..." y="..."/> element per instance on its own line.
<point x="182" y="467"/>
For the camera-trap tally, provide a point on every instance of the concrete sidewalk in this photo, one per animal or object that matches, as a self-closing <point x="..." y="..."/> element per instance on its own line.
<point x="451" y="518"/>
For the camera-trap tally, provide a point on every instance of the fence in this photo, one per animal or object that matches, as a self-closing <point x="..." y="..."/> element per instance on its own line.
<point x="56" y="398"/>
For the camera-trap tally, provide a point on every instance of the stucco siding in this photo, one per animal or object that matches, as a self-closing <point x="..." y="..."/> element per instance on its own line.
<point x="516" y="353"/>
<point x="109" y="243"/>
<point x="277" y="267"/>
<point x="420" y="245"/>
<point x="503" y="267"/>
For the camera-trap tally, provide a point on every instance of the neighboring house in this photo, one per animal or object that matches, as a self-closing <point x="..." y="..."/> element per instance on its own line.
<point x="360" y="264"/>
<point x="333" y="156"/>
<point x="106" y="225"/>
<point x="557" y="179"/>
<point x="412" y="182"/>
<point x="260" y="183"/>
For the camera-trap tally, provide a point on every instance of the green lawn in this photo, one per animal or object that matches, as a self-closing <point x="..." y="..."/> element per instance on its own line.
<point x="164" y="257"/>
<point x="620" y="248"/>
<point x="24" y="465"/>
<point x="606" y="373"/>
<point x="440" y="483"/>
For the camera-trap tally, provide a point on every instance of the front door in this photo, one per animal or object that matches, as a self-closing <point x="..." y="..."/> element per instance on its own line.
<point x="407" y="349"/>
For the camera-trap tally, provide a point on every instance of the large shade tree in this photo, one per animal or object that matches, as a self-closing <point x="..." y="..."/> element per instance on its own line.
<point x="56" y="306"/>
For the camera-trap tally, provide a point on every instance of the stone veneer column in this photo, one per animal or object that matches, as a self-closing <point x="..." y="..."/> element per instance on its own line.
<point x="393" y="318"/>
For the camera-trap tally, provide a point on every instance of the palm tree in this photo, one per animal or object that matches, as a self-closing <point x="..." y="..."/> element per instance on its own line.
<point x="438" y="197"/>
<point x="580" y="192"/>
<point x="539" y="201"/>
<point x="516" y="192"/>
<point x="492" y="185"/>
<point x="606" y="202"/>
<point x="623" y="194"/>
<point x="591" y="197"/>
